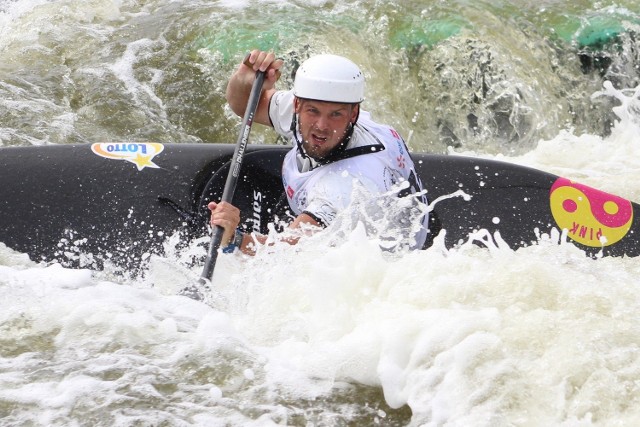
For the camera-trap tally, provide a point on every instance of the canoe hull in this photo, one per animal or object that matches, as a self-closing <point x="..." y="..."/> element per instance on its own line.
<point x="86" y="204"/>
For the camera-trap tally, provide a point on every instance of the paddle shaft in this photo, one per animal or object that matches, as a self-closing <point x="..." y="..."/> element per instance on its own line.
<point x="234" y="174"/>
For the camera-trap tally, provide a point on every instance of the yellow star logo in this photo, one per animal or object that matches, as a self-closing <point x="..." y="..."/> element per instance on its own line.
<point x="143" y="161"/>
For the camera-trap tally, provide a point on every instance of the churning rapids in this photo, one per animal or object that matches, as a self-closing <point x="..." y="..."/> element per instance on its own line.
<point x="331" y="334"/>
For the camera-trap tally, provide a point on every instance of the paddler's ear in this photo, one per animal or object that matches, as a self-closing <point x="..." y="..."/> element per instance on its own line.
<point x="296" y="104"/>
<point x="355" y="113"/>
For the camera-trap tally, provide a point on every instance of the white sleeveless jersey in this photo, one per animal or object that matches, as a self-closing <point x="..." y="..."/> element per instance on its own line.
<point x="384" y="167"/>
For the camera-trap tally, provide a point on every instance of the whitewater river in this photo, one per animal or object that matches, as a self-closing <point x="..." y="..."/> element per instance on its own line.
<point x="319" y="334"/>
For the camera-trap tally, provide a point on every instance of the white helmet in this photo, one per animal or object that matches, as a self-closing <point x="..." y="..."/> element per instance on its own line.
<point x="329" y="78"/>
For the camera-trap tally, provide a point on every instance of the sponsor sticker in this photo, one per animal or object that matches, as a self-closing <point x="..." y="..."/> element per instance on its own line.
<point x="591" y="217"/>
<point x="140" y="154"/>
<point x="257" y="211"/>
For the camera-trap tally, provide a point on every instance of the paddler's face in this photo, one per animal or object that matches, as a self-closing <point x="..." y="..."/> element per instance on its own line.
<point x="323" y="125"/>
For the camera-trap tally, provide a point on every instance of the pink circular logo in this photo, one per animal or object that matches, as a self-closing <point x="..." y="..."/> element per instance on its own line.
<point x="591" y="217"/>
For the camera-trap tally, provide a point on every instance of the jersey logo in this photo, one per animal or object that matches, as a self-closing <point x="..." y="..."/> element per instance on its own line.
<point x="326" y="213"/>
<point x="290" y="192"/>
<point x="591" y="217"/>
<point x="401" y="161"/>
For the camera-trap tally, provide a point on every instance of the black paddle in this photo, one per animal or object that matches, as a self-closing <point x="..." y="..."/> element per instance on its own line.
<point x="230" y="184"/>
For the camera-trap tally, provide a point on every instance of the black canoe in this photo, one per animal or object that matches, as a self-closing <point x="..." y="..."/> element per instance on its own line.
<point x="120" y="201"/>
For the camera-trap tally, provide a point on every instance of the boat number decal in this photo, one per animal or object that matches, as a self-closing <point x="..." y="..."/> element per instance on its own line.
<point x="140" y="154"/>
<point x="591" y="217"/>
<point x="257" y="211"/>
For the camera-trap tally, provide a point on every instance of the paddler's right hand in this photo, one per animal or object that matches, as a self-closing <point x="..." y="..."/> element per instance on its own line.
<point x="226" y="216"/>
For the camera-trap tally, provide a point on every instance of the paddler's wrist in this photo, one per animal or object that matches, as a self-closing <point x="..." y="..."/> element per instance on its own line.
<point x="235" y="242"/>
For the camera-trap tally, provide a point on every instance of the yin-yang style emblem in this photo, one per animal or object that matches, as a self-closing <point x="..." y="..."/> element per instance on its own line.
<point x="591" y="217"/>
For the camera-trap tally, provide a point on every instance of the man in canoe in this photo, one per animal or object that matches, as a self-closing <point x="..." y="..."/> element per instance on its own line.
<point x="336" y="145"/>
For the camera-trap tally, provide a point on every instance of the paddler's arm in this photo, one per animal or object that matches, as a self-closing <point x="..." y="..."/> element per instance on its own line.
<point x="239" y="86"/>
<point x="228" y="216"/>
<point x="309" y="224"/>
